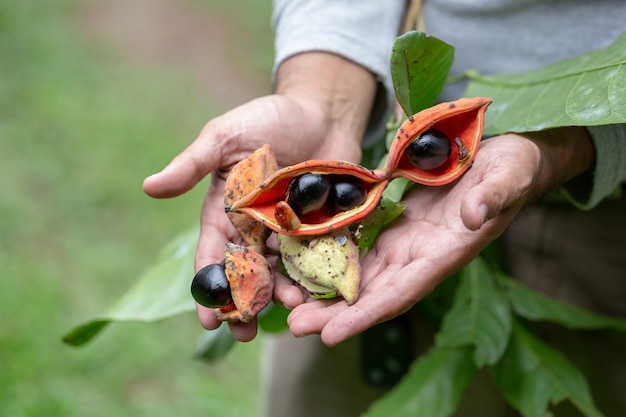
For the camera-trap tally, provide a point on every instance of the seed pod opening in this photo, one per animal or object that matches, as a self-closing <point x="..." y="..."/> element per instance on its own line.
<point x="461" y="121"/>
<point x="261" y="203"/>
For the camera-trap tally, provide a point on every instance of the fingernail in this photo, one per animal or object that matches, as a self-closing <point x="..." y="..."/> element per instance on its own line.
<point x="484" y="211"/>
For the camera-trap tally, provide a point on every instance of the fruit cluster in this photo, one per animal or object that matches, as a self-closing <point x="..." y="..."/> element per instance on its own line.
<point x="311" y="204"/>
<point x="432" y="147"/>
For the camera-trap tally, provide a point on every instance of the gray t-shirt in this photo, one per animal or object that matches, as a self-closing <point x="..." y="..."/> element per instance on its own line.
<point x="490" y="36"/>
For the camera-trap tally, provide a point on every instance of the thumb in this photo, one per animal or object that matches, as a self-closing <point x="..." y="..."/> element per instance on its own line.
<point x="490" y="198"/>
<point x="183" y="172"/>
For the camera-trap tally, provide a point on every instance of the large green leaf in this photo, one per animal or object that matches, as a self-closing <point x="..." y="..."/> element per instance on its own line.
<point x="162" y="291"/>
<point x="586" y="90"/>
<point x="214" y="345"/>
<point x="479" y="316"/>
<point x="535" y="306"/>
<point x="532" y="375"/>
<point x="433" y="386"/>
<point x="419" y="69"/>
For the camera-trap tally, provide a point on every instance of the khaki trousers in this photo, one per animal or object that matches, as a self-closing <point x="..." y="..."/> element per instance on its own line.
<point x="575" y="256"/>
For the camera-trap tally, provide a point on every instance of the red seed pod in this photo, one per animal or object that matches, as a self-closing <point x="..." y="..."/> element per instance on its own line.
<point x="461" y="121"/>
<point x="267" y="202"/>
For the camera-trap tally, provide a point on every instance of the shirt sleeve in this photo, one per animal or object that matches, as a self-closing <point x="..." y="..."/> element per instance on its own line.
<point x="610" y="167"/>
<point x="362" y="31"/>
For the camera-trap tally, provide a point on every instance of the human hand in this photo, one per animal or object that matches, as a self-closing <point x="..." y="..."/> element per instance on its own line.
<point x="444" y="228"/>
<point x="319" y="112"/>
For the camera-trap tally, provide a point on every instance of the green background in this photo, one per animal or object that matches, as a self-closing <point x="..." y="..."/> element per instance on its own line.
<point x="95" y="96"/>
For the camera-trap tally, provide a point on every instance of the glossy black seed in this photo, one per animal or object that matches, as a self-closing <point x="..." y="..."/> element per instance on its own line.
<point x="347" y="193"/>
<point x="430" y="150"/>
<point x="210" y="287"/>
<point x="308" y="193"/>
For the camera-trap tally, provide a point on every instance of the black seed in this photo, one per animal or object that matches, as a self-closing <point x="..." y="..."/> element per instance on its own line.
<point x="347" y="192"/>
<point x="430" y="150"/>
<point x="308" y="193"/>
<point x="210" y="287"/>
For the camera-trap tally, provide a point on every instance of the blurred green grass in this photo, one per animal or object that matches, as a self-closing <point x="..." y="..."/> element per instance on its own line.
<point x="80" y="127"/>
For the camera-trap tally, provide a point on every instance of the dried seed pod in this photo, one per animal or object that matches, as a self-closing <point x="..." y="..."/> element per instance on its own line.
<point x="261" y="204"/>
<point x="243" y="178"/>
<point x="251" y="283"/>
<point x="461" y="121"/>
<point x="326" y="265"/>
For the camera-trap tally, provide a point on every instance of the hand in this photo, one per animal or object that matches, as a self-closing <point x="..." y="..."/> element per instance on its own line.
<point x="444" y="228"/>
<point x="319" y="112"/>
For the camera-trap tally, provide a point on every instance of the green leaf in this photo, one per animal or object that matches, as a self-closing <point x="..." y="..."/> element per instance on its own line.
<point x="385" y="212"/>
<point x="480" y="315"/>
<point x="532" y="375"/>
<point x="419" y="68"/>
<point x="587" y="90"/>
<point x="433" y="386"/>
<point x="273" y="319"/>
<point x="161" y="292"/>
<point x="397" y="188"/>
<point x="84" y="333"/>
<point x="214" y="345"/>
<point x="537" y="307"/>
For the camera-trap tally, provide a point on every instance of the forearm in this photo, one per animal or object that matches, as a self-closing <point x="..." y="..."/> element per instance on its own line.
<point x="363" y="34"/>
<point x="609" y="171"/>
<point x="341" y="90"/>
<point x="565" y="154"/>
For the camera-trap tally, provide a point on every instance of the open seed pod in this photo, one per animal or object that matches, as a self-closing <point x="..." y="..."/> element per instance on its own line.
<point x="268" y="203"/>
<point x="438" y="144"/>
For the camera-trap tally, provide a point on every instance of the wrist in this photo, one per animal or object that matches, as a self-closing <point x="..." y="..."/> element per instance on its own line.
<point x="565" y="154"/>
<point x="340" y="92"/>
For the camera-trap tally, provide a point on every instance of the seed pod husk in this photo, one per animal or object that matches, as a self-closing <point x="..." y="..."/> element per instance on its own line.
<point x="242" y="179"/>
<point x="261" y="203"/>
<point x="251" y="283"/>
<point x="325" y="265"/>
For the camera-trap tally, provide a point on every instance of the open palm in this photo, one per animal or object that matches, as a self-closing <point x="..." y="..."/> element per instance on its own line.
<point x="441" y="231"/>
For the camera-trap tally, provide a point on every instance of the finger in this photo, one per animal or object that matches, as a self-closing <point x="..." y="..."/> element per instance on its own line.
<point x="286" y="293"/>
<point x="207" y="317"/>
<point x="380" y="301"/>
<point x="310" y="318"/>
<point x="244" y="332"/>
<point x="184" y="171"/>
<point x="215" y="228"/>
<point x="391" y="293"/>
<point x="336" y="321"/>
<point x="489" y="198"/>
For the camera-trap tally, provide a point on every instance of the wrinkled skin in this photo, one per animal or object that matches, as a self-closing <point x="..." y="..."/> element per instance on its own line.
<point x="301" y="122"/>
<point x="407" y="260"/>
<point x="319" y="114"/>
